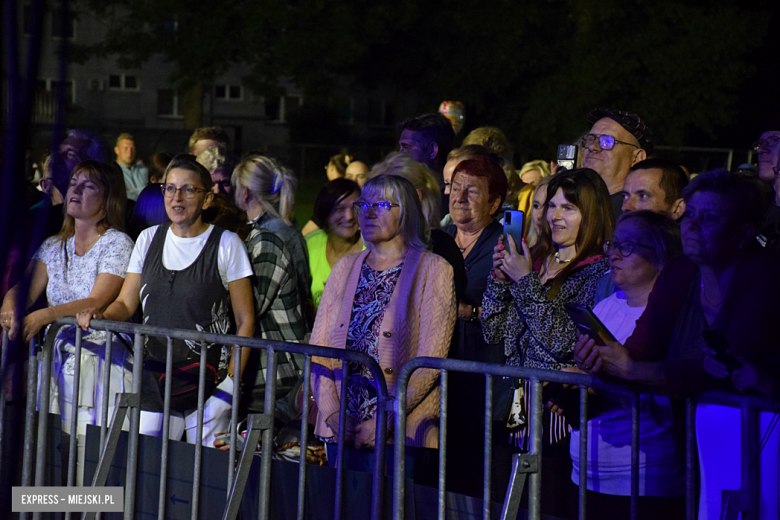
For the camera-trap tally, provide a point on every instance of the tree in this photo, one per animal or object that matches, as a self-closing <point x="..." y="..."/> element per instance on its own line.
<point x="310" y="43"/>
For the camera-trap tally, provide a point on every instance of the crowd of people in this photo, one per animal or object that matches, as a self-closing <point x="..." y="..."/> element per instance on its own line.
<point x="410" y="257"/>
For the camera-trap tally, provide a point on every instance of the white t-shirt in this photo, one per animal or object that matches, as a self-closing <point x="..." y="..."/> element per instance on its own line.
<point x="179" y="253"/>
<point x="661" y="471"/>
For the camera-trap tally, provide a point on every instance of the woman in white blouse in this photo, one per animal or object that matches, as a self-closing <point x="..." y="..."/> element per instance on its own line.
<point x="83" y="266"/>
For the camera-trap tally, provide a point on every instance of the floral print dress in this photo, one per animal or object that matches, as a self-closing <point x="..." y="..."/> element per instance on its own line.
<point x="368" y="310"/>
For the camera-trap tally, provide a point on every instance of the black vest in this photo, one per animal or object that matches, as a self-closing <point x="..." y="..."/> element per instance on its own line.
<point x="193" y="298"/>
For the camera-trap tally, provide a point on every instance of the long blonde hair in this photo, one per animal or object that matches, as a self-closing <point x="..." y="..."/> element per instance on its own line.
<point x="270" y="183"/>
<point x="111" y="180"/>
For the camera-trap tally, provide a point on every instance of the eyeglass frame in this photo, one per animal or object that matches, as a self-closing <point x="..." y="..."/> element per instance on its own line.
<point x="764" y="143"/>
<point x="597" y="137"/>
<point x="611" y="245"/>
<point x="362" y="207"/>
<point x="184" y="194"/>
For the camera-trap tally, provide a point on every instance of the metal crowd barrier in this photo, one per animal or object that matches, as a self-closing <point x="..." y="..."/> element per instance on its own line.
<point x="745" y="499"/>
<point x="260" y="425"/>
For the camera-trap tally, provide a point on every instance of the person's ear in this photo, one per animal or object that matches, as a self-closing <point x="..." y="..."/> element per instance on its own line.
<point x="419" y="194"/>
<point x="208" y="200"/>
<point x="433" y="150"/>
<point x="639" y="156"/>
<point x="495" y="205"/>
<point x="116" y="150"/>
<point x="678" y="208"/>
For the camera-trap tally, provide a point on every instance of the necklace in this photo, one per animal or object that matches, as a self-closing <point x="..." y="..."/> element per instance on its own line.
<point x="704" y="293"/>
<point x="86" y="249"/>
<point x="463" y="249"/>
<point x="558" y="259"/>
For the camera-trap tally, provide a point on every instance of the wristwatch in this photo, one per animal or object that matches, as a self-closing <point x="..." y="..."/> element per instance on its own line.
<point x="474" y="316"/>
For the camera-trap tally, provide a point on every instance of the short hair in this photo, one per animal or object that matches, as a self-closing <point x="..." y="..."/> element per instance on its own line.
<point x="124" y="137"/>
<point x="421" y="177"/>
<point x="435" y="127"/>
<point x="585" y="189"/>
<point x="742" y="192"/>
<point x="329" y="197"/>
<point x="187" y="162"/>
<point x="269" y="182"/>
<point x="542" y="166"/>
<point x="158" y="162"/>
<point x="469" y="151"/>
<point x="673" y="178"/>
<point x="217" y="157"/>
<point x="412" y="225"/>
<point x="340" y="162"/>
<point x="213" y="133"/>
<point x="487" y="168"/>
<point x="494" y="140"/>
<point x="112" y="181"/>
<point x="660" y="231"/>
<point x="91" y="147"/>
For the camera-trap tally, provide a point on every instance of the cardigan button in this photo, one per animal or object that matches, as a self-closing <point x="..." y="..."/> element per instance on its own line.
<point x="388" y="370"/>
<point x="387" y="334"/>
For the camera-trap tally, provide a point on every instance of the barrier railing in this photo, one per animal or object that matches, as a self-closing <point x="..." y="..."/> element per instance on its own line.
<point x="260" y="425"/>
<point x="745" y="499"/>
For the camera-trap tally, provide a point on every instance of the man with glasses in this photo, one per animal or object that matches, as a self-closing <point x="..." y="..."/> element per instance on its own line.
<point x="616" y="141"/>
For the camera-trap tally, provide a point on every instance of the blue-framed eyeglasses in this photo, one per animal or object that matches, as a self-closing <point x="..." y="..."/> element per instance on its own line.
<point x="380" y="208"/>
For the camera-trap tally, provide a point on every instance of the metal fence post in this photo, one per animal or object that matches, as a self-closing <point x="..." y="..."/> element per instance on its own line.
<point x="488" y="418"/>
<point x="443" y="446"/>
<point x="583" y="483"/>
<point x="135" y="425"/>
<point x="267" y="435"/>
<point x="535" y="480"/>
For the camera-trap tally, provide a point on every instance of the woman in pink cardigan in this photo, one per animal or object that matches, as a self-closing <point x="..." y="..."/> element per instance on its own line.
<point x="394" y="301"/>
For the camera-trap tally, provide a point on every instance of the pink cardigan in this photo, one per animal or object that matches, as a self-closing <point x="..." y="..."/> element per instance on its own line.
<point x="419" y="321"/>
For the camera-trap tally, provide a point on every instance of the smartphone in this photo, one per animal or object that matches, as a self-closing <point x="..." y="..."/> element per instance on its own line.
<point x="588" y="323"/>
<point x="716" y="340"/>
<point x="567" y="156"/>
<point x="513" y="226"/>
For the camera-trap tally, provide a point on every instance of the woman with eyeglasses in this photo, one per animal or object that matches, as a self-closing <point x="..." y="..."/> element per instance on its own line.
<point x="394" y="301"/>
<point x="523" y="306"/>
<point x="643" y="243"/>
<point x="188" y="275"/>
<point x="340" y="233"/>
<point x="722" y="291"/>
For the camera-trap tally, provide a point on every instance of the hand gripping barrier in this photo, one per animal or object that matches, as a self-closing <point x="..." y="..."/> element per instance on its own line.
<point x="260" y="425"/>
<point x="745" y="499"/>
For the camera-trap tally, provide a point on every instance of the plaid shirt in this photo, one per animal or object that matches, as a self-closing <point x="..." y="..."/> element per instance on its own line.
<point x="278" y="308"/>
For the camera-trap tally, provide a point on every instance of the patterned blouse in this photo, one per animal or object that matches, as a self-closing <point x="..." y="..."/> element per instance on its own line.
<point x="368" y="309"/>
<point x="537" y="332"/>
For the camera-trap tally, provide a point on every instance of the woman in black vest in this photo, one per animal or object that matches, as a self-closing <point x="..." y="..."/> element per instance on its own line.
<point x="187" y="275"/>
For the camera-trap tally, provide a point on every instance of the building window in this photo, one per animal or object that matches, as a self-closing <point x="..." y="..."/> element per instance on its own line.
<point x="122" y="82"/>
<point x="273" y="108"/>
<point x="63" y="24"/>
<point x="49" y="87"/>
<point x="169" y="103"/>
<point x="228" y="92"/>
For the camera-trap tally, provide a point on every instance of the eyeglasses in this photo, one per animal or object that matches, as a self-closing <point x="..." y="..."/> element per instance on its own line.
<point x="626" y="248"/>
<point x="380" y="208"/>
<point x="187" y="191"/>
<point x="767" y="144"/>
<point x="606" y="142"/>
